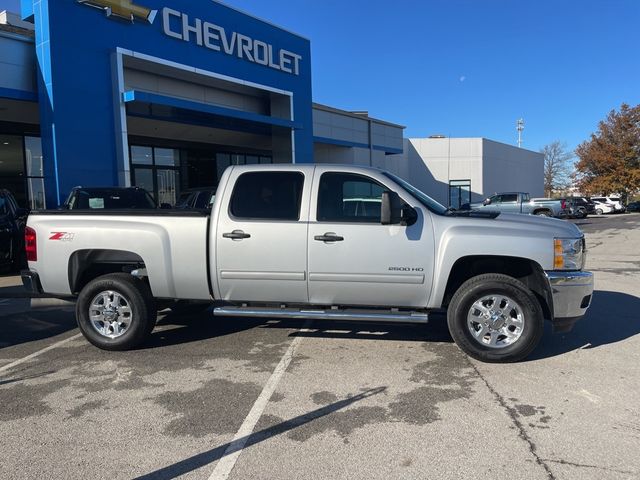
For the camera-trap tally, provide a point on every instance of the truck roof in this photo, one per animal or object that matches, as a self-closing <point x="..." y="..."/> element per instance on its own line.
<point x="307" y="167"/>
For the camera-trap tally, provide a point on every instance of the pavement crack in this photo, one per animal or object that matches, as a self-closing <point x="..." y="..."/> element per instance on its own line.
<point x="585" y="465"/>
<point x="513" y="415"/>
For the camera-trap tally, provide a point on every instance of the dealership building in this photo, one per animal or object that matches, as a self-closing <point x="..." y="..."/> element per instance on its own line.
<point x="162" y="94"/>
<point x="166" y="94"/>
<point x="456" y="171"/>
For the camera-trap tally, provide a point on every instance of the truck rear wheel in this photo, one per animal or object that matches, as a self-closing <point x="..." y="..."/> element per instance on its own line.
<point x="543" y="213"/>
<point x="116" y="311"/>
<point x="495" y="318"/>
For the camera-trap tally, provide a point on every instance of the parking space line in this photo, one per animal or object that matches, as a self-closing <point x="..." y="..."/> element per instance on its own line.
<point x="38" y="353"/>
<point x="230" y="457"/>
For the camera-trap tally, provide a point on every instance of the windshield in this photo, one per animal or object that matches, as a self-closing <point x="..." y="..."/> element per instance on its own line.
<point x="425" y="199"/>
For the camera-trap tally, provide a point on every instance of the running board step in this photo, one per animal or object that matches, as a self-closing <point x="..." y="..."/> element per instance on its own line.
<point x="386" y="316"/>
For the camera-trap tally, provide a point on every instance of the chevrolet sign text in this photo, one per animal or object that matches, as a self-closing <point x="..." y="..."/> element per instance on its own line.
<point x="178" y="25"/>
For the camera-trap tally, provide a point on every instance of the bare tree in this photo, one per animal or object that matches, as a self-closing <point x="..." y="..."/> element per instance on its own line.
<point x="557" y="166"/>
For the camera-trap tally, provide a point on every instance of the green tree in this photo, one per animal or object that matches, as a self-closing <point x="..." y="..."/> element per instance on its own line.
<point x="610" y="160"/>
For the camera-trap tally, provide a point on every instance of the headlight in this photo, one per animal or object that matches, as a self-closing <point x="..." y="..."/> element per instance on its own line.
<point x="569" y="253"/>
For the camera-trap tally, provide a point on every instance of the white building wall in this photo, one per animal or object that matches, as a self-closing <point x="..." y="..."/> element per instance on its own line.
<point x="508" y="168"/>
<point x="431" y="163"/>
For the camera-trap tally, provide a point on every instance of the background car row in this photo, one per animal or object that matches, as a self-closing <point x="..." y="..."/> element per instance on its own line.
<point x="580" y="207"/>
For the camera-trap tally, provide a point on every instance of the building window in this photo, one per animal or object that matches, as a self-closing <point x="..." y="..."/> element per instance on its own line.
<point x="35" y="173"/>
<point x="21" y="169"/>
<point x="157" y="170"/>
<point x="459" y="193"/>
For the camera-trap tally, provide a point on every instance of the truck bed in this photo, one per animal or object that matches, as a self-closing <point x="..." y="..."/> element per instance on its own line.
<point x="170" y="243"/>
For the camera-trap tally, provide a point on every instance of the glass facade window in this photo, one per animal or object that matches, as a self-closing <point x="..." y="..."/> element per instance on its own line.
<point x="21" y="169"/>
<point x="166" y="157"/>
<point x="35" y="172"/>
<point x="143" y="178"/>
<point x="167" y="186"/>
<point x="141" y="155"/>
<point x="157" y="171"/>
<point x="459" y="193"/>
<point x="167" y="172"/>
<point x="11" y="156"/>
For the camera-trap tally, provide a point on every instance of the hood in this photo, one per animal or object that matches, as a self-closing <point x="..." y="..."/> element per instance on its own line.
<point x="537" y="226"/>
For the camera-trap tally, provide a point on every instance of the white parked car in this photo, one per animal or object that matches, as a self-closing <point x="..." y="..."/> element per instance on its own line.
<point x="618" y="207"/>
<point x="603" y="207"/>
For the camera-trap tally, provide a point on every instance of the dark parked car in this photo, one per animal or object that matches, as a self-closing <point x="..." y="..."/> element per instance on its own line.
<point x="110" y="198"/>
<point x="633" y="207"/>
<point x="198" y="199"/>
<point x="580" y="207"/>
<point x="12" y="222"/>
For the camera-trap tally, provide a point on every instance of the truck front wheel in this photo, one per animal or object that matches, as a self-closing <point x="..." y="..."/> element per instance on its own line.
<point x="116" y="311"/>
<point x="495" y="318"/>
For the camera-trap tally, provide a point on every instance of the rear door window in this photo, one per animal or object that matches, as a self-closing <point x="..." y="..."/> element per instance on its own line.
<point x="267" y="196"/>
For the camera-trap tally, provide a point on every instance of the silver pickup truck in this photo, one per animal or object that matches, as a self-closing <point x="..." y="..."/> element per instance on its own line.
<point x="316" y="242"/>
<point x="520" y="202"/>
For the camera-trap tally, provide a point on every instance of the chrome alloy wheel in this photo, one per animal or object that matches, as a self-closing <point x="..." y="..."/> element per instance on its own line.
<point x="110" y="314"/>
<point x="495" y="321"/>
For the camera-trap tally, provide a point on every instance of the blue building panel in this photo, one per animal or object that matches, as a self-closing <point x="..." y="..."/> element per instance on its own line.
<point x="74" y="47"/>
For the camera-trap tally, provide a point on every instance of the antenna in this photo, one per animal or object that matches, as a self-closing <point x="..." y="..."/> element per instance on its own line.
<point x="520" y="128"/>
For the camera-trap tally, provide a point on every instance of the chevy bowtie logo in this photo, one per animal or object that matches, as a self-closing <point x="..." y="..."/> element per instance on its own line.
<point x="123" y="9"/>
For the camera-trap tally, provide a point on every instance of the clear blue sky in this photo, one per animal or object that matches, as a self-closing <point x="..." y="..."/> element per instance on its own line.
<point x="470" y="67"/>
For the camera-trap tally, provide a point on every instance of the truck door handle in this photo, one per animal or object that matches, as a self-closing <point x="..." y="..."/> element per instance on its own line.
<point x="236" y="235"/>
<point x="328" y="237"/>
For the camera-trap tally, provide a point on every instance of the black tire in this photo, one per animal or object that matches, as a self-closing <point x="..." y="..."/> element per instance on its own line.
<point x="599" y="211"/>
<point x="140" y="300"/>
<point x="488" y="284"/>
<point x="543" y="213"/>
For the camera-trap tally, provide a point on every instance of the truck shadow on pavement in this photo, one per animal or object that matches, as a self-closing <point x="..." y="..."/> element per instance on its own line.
<point x="612" y="317"/>
<point x="205" y="458"/>
<point x="197" y="327"/>
<point x="20" y="323"/>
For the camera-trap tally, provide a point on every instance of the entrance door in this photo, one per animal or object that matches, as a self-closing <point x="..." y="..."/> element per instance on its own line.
<point x="261" y="238"/>
<point x="353" y="258"/>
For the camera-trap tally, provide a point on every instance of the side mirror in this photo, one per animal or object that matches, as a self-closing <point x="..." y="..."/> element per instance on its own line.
<point x="393" y="211"/>
<point x="487" y="201"/>
<point x="165" y="206"/>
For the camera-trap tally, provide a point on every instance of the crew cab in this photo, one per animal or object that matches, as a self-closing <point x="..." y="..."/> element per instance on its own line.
<point x="520" y="202"/>
<point x="285" y="241"/>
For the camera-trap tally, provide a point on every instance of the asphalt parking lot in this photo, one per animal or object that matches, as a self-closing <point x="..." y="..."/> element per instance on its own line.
<point x="231" y="398"/>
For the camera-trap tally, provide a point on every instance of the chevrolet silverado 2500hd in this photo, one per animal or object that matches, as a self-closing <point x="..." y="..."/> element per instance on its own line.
<point x="285" y="241"/>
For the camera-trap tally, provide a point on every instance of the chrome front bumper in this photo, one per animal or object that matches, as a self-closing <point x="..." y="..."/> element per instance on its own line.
<point x="572" y="293"/>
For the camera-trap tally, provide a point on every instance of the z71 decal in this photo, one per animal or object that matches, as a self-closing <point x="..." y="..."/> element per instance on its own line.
<point x="62" y="236"/>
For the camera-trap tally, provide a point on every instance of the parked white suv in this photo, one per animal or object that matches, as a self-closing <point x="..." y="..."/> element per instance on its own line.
<point x="603" y="207"/>
<point x="615" y="202"/>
